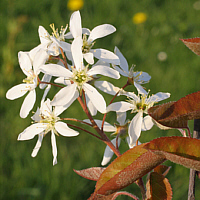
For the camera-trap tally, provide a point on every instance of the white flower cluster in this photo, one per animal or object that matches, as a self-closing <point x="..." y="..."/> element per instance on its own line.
<point x="71" y="58"/>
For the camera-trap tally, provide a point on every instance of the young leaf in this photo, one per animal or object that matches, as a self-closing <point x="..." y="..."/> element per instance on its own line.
<point x="90" y="173"/>
<point x="158" y="187"/>
<point x="176" y="114"/>
<point x="193" y="44"/>
<point x="126" y="169"/>
<point x="181" y="150"/>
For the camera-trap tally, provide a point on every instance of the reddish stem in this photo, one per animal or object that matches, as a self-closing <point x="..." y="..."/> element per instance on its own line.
<point x="98" y="130"/>
<point x="64" y="57"/>
<point x="78" y="127"/>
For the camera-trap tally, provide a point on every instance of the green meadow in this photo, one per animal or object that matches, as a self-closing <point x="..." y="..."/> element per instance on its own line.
<point x="154" y="46"/>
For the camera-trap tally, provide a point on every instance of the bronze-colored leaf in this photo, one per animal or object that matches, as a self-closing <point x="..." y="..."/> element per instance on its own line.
<point x="176" y="114"/>
<point x="158" y="187"/>
<point x="90" y="173"/>
<point x="126" y="169"/>
<point x="181" y="150"/>
<point x="193" y="44"/>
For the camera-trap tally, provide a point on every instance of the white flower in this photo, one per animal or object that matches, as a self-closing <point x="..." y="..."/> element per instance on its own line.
<point x="79" y="78"/>
<point x="139" y="104"/>
<point x="46" y="119"/>
<point x="137" y="78"/>
<point x="53" y="42"/>
<point x="88" y="39"/>
<point x="30" y="83"/>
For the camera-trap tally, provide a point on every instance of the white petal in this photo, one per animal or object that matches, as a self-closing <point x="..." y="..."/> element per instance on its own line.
<point x="64" y="130"/>
<point x="40" y="59"/>
<point x="106" y="87"/>
<point x="43" y="34"/>
<point x="96" y="98"/>
<point x="134" y="129"/>
<point x="55" y="70"/>
<point x="86" y="31"/>
<point x="158" y="97"/>
<point x="108" y="152"/>
<point x="53" y="47"/>
<point x="46" y="108"/>
<point x="17" y="91"/>
<point x="77" y="54"/>
<point x="33" y="51"/>
<point x="25" y="62"/>
<point x="106" y="56"/>
<point x="28" y="104"/>
<point x="104" y="70"/>
<point x="120" y="71"/>
<point x="144" y="77"/>
<point x="64" y="96"/>
<point x="140" y="89"/>
<point x="54" y="147"/>
<point x="37" y="146"/>
<point x="121" y="106"/>
<point x="132" y="95"/>
<point x="89" y="58"/>
<point x="123" y="61"/>
<point x="147" y="123"/>
<point x="91" y="107"/>
<point x="75" y="24"/>
<point x="59" y="109"/>
<point x="45" y="93"/>
<point x="101" y="31"/>
<point x="121" y="118"/>
<point x="65" y="46"/>
<point x="31" y="131"/>
<point x="36" y="117"/>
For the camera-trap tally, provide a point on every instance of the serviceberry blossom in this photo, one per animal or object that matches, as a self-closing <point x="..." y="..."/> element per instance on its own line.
<point x="137" y="78"/>
<point x="88" y="38"/>
<point x="138" y="104"/>
<point x="46" y="119"/>
<point x="31" y="69"/>
<point x="79" y="78"/>
<point x="53" y="43"/>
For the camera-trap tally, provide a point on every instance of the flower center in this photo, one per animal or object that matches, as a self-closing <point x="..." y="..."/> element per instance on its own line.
<point x="57" y="34"/>
<point x="86" y="45"/>
<point x="80" y="76"/>
<point x="121" y="131"/>
<point x="50" y="120"/>
<point x="29" y="79"/>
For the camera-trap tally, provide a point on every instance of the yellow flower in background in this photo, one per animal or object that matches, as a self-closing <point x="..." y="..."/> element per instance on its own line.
<point x="75" y="4"/>
<point x="139" y="18"/>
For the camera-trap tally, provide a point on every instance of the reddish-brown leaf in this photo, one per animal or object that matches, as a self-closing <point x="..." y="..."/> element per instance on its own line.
<point x="90" y="173"/>
<point x="126" y="169"/>
<point x="162" y="169"/>
<point x="158" y="187"/>
<point x="193" y="44"/>
<point x="176" y="114"/>
<point x="181" y="150"/>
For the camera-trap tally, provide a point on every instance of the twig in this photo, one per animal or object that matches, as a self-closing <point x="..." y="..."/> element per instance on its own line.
<point x="191" y="190"/>
<point x="124" y="193"/>
<point x="140" y="183"/>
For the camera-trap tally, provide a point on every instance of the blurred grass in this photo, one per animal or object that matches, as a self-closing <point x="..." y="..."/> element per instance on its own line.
<point x="23" y="177"/>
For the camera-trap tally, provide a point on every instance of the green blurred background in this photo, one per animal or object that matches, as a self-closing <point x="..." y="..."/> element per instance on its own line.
<point x="153" y="46"/>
